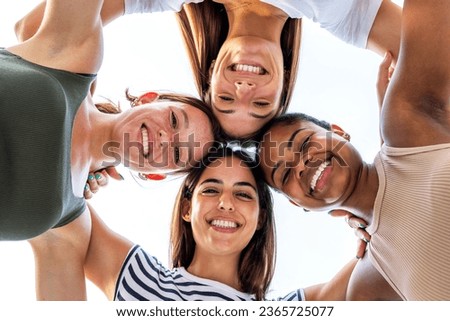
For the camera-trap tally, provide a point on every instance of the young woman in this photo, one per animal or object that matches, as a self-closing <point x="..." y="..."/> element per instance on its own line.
<point x="53" y="135"/>
<point x="247" y="70"/>
<point x="403" y="194"/>
<point x="222" y="243"/>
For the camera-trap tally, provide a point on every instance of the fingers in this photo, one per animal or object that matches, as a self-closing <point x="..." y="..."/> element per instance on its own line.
<point x="384" y="75"/>
<point x="361" y="249"/>
<point x="113" y="173"/>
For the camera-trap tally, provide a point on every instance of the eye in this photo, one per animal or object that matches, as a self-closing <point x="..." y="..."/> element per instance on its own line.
<point x="177" y="155"/>
<point x="245" y="195"/>
<point x="304" y="144"/>
<point x="261" y="103"/>
<point x="225" y="98"/>
<point x="210" y="190"/>
<point x="173" y="120"/>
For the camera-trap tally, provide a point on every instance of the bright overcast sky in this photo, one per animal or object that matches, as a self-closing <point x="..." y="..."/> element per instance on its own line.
<point x="144" y="52"/>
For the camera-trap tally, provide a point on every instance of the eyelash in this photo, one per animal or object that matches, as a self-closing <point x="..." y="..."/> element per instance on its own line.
<point x="239" y="194"/>
<point x="301" y="150"/>
<point x="261" y="103"/>
<point x="173" y="120"/>
<point x="225" y="98"/>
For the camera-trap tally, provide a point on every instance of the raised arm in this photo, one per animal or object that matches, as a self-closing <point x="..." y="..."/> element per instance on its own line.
<point x="385" y="32"/>
<point x="69" y="37"/>
<point x="106" y="253"/>
<point x="416" y="107"/>
<point x="26" y="27"/>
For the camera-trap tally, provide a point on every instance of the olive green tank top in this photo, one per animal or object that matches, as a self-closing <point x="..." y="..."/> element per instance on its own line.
<point x="37" y="110"/>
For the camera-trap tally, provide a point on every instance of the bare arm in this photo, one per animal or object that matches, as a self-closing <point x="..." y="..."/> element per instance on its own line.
<point x="418" y="94"/>
<point x="106" y="253"/>
<point x="69" y="37"/>
<point x="385" y="33"/>
<point x="59" y="256"/>
<point x="26" y="27"/>
<point x="333" y="290"/>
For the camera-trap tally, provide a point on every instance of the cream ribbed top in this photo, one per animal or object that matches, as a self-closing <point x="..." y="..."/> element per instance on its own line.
<point x="410" y="244"/>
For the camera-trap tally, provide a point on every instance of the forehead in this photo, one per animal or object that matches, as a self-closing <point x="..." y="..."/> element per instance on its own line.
<point x="229" y="170"/>
<point x="279" y="137"/>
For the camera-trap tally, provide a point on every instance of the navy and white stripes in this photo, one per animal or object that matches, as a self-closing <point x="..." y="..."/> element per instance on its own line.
<point x="144" y="278"/>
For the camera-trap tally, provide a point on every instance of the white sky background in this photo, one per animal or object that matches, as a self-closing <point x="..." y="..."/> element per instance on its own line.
<point x="144" y="52"/>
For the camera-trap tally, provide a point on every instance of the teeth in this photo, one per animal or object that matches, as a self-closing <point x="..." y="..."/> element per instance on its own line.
<point x="248" y="68"/>
<point x="317" y="174"/>
<point x="224" y="224"/>
<point x="144" y="133"/>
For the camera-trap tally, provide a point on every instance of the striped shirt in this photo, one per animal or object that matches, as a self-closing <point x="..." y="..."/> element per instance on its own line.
<point x="144" y="278"/>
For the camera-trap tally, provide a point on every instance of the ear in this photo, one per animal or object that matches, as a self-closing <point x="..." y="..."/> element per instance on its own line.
<point x="186" y="210"/>
<point x="338" y="130"/>
<point x="146" y="98"/>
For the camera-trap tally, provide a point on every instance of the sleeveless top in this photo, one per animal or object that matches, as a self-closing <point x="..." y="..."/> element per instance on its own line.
<point x="410" y="243"/>
<point x="37" y="109"/>
<point x="144" y="278"/>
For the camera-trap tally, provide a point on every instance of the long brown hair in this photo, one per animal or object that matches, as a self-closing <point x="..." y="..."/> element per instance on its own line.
<point x="257" y="260"/>
<point x="204" y="28"/>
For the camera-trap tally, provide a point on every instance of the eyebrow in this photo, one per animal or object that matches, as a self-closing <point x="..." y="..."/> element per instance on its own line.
<point x="251" y="114"/>
<point x="186" y="125"/>
<point x="217" y="181"/>
<point x="186" y="119"/>
<point x="289" y="145"/>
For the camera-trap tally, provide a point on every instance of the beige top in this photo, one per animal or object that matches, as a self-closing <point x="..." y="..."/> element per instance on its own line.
<point x="410" y="243"/>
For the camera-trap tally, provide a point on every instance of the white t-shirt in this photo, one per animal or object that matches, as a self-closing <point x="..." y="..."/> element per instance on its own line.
<point x="349" y="20"/>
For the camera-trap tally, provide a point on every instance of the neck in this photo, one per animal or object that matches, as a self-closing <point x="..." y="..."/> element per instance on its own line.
<point x="223" y="269"/>
<point x="90" y="133"/>
<point x="246" y="18"/>
<point x="362" y="199"/>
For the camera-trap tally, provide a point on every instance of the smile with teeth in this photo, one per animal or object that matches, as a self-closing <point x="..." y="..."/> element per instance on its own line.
<point x="249" y="68"/>
<point x="318" y="174"/>
<point x="224" y="224"/>
<point x="144" y="134"/>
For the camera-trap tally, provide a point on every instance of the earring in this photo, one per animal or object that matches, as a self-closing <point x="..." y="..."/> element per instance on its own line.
<point x="346" y="136"/>
<point x="153" y="177"/>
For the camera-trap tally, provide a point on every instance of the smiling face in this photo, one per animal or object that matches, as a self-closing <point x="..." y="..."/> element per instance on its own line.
<point x="246" y="84"/>
<point x="224" y="209"/>
<point x="161" y="137"/>
<point x="316" y="168"/>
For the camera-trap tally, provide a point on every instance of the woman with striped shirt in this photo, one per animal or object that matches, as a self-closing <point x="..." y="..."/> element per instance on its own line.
<point x="222" y="243"/>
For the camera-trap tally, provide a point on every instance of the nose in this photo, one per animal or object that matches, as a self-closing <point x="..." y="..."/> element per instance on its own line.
<point x="163" y="138"/>
<point x="244" y="85"/>
<point x="226" y="204"/>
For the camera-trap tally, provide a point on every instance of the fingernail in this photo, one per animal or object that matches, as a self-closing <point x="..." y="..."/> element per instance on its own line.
<point x="90" y="177"/>
<point x="365" y="240"/>
<point x="358" y="257"/>
<point x="121" y="177"/>
<point x="330" y="212"/>
<point x="86" y="187"/>
<point x="361" y="225"/>
<point x="98" y="176"/>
